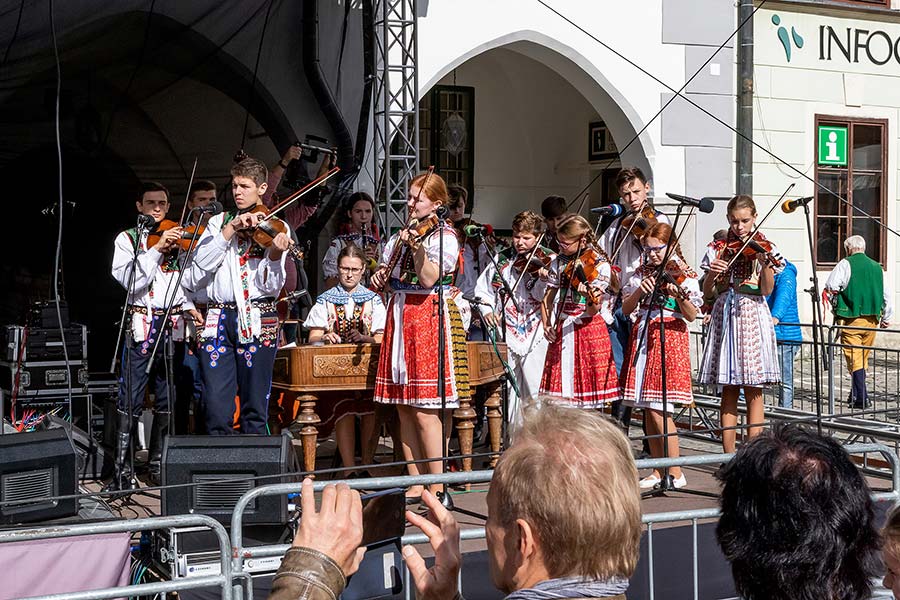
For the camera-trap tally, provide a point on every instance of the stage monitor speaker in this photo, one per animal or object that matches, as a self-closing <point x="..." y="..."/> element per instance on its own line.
<point x="220" y="469"/>
<point x="35" y="466"/>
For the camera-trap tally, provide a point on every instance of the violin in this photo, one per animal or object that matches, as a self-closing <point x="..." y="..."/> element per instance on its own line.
<point x="639" y="223"/>
<point x="675" y="274"/>
<point x="748" y="249"/>
<point x="265" y="231"/>
<point x="532" y="263"/>
<point x="189" y="233"/>
<point x="584" y="269"/>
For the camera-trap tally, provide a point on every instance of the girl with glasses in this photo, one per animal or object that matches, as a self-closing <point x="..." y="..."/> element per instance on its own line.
<point x="676" y="304"/>
<point x="349" y="313"/>
<point x="579" y="367"/>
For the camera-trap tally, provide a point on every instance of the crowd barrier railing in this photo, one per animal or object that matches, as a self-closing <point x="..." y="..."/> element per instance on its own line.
<point x="880" y="421"/>
<point x="223" y="580"/>
<point x="241" y="554"/>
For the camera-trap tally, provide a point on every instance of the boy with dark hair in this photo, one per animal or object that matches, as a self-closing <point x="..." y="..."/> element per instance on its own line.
<point x="240" y="332"/>
<point x="625" y="251"/>
<point x="149" y="273"/>
<point x="553" y="209"/>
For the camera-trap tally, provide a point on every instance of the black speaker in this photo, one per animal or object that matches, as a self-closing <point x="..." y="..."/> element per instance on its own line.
<point x="34" y="466"/>
<point x="220" y="469"/>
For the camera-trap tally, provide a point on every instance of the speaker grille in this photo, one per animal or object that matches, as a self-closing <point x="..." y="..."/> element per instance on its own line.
<point x="34" y="485"/>
<point x="216" y="492"/>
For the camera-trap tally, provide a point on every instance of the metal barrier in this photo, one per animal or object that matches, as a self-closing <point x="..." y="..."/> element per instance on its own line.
<point x="223" y="580"/>
<point x="694" y="516"/>
<point x="883" y="382"/>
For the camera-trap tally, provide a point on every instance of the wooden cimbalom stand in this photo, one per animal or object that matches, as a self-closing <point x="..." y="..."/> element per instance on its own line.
<point x="313" y="373"/>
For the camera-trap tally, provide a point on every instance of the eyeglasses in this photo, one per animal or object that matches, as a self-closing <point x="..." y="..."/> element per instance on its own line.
<point x="351" y="270"/>
<point x="655" y="249"/>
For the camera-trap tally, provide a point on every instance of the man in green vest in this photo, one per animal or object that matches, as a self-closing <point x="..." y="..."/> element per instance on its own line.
<point x="861" y="304"/>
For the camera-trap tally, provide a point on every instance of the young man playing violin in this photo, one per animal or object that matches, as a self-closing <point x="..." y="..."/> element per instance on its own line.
<point x="621" y="242"/>
<point x="151" y="289"/>
<point x="242" y="280"/>
<point x="525" y="270"/>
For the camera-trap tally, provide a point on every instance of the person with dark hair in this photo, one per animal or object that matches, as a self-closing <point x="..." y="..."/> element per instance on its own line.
<point x="554" y="210"/>
<point x="625" y="252"/>
<point x="148" y="272"/>
<point x="798" y="522"/>
<point x="356" y="225"/>
<point x="242" y="281"/>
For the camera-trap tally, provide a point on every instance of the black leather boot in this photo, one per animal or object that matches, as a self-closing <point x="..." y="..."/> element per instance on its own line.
<point x="123" y="476"/>
<point x="157" y="436"/>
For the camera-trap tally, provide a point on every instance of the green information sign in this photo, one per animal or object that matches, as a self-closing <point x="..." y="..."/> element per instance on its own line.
<point x="833" y="146"/>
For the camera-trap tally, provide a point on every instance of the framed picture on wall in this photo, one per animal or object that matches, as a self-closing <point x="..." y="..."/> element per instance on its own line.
<point x="600" y="143"/>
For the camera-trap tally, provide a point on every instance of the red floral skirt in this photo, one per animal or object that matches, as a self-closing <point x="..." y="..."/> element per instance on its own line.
<point x="592" y="371"/>
<point x="643" y="384"/>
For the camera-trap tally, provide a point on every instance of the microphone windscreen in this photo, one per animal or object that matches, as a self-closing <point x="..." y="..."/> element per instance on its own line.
<point x="706" y="205"/>
<point x="788" y="206"/>
<point x="215" y="207"/>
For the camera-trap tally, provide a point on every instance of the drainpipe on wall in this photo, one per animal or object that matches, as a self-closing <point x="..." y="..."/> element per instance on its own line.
<point x="744" y="125"/>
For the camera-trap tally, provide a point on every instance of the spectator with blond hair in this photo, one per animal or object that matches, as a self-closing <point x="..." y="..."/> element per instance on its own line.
<point x="861" y="304"/>
<point x="541" y="544"/>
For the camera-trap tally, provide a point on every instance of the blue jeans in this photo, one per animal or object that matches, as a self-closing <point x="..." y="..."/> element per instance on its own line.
<point x="786" y="352"/>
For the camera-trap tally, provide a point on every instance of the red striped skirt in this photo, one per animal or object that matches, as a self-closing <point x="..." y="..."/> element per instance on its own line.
<point x="591" y="370"/>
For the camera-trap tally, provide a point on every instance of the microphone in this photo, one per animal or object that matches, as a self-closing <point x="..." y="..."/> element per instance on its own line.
<point x="213" y="208"/>
<point x="442" y="212"/>
<point x="704" y="205"/>
<point x="472" y="300"/>
<point x="790" y="206"/>
<point x="477" y="230"/>
<point x="294" y="296"/>
<point x="612" y="210"/>
<point x="145" y="221"/>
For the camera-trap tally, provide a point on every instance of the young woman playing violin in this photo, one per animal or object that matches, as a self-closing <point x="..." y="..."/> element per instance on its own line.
<point x="680" y="297"/>
<point x="407" y="375"/>
<point x="242" y="280"/>
<point x="525" y="268"/>
<point x="740" y="346"/>
<point x="579" y="366"/>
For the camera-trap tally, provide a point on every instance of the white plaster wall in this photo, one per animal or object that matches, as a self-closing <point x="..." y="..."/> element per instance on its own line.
<point x="530" y="134"/>
<point x="788" y="97"/>
<point x="453" y="31"/>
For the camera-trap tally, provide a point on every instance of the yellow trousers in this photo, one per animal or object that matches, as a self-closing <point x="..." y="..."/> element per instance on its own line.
<point x="858" y="358"/>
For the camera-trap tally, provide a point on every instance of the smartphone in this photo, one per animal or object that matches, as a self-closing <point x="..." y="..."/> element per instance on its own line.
<point x="384" y="517"/>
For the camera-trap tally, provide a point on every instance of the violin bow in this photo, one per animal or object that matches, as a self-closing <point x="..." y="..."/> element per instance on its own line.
<point x="531" y="254"/>
<point x="187" y="195"/>
<point x="300" y="193"/>
<point x="749" y="239"/>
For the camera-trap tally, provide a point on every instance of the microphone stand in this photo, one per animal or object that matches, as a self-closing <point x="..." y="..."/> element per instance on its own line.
<point x="817" y="320"/>
<point x="658" y="301"/>
<point x="165" y="329"/>
<point x="442" y="384"/>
